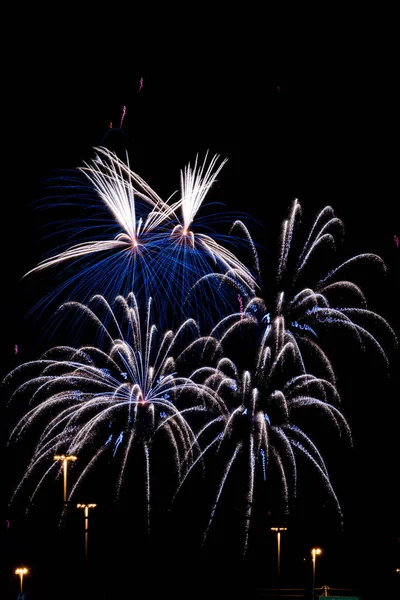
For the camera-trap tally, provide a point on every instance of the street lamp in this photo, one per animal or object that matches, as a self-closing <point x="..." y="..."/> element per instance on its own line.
<point x="65" y="458"/>
<point x="21" y="571"/>
<point x="278" y="536"/>
<point x="86" y="508"/>
<point x="314" y="553"/>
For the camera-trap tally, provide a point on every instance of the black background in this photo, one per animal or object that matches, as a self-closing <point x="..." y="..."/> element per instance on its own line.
<point x="302" y="108"/>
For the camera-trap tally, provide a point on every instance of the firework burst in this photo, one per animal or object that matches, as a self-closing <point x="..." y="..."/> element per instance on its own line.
<point x="154" y="248"/>
<point x="271" y="415"/>
<point x="113" y="398"/>
<point x="298" y="311"/>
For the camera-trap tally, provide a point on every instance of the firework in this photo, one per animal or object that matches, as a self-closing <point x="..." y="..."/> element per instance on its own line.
<point x="301" y="312"/>
<point x="145" y="276"/>
<point x="262" y="428"/>
<point x="154" y="247"/>
<point x="113" y="398"/>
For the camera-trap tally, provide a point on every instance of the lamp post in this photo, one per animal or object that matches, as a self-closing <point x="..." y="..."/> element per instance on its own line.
<point x="86" y="508"/>
<point x="314" y="553"/>
<point x="278" y="537"/>
<point x="21" y="571"/>
<point x="65" y="458"/>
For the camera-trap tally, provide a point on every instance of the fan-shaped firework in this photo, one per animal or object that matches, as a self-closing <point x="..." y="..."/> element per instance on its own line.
<point x="115" y="397"/>
<point x="150" y="250"/>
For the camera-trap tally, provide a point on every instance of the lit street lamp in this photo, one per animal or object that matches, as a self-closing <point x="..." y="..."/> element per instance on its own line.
<point x="314" y="553"/>
<point x="65" y="458"/>
<point x="278" y="536"/>
<point x="86" y="513"/>
<point x="21" y="571"/>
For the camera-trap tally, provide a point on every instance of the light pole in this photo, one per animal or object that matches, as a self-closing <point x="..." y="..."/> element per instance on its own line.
<point x="21" y="571"/>
<point x="86" y="513"/>
<point x="278" y="537"/>
<point x="314" y="553"/>
<point x="65" y="458"/>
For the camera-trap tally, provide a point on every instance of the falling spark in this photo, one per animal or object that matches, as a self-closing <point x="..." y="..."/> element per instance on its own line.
<point x="141" y="84"/>
<point x="396" y="241"/>
<point x="16" y="349"/>
<point x="123" y="116"/>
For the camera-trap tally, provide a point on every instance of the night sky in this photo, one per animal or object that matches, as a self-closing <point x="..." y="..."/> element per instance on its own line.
<point x="298" y="114"/>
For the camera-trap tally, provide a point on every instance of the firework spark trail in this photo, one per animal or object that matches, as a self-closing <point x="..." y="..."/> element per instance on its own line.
<point x="250" y="494"/>
<point x="287" y="234"/>
<point x="198" y="459"/>
<point x="321" y="468"/>
<point x="90" y="465"/>
<point x="320" y="232"/>
<point x="219" y="492"/>
<point x="240" y="305"/>
<point x="283" y="474"/>
<point x="244" y="231"/>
